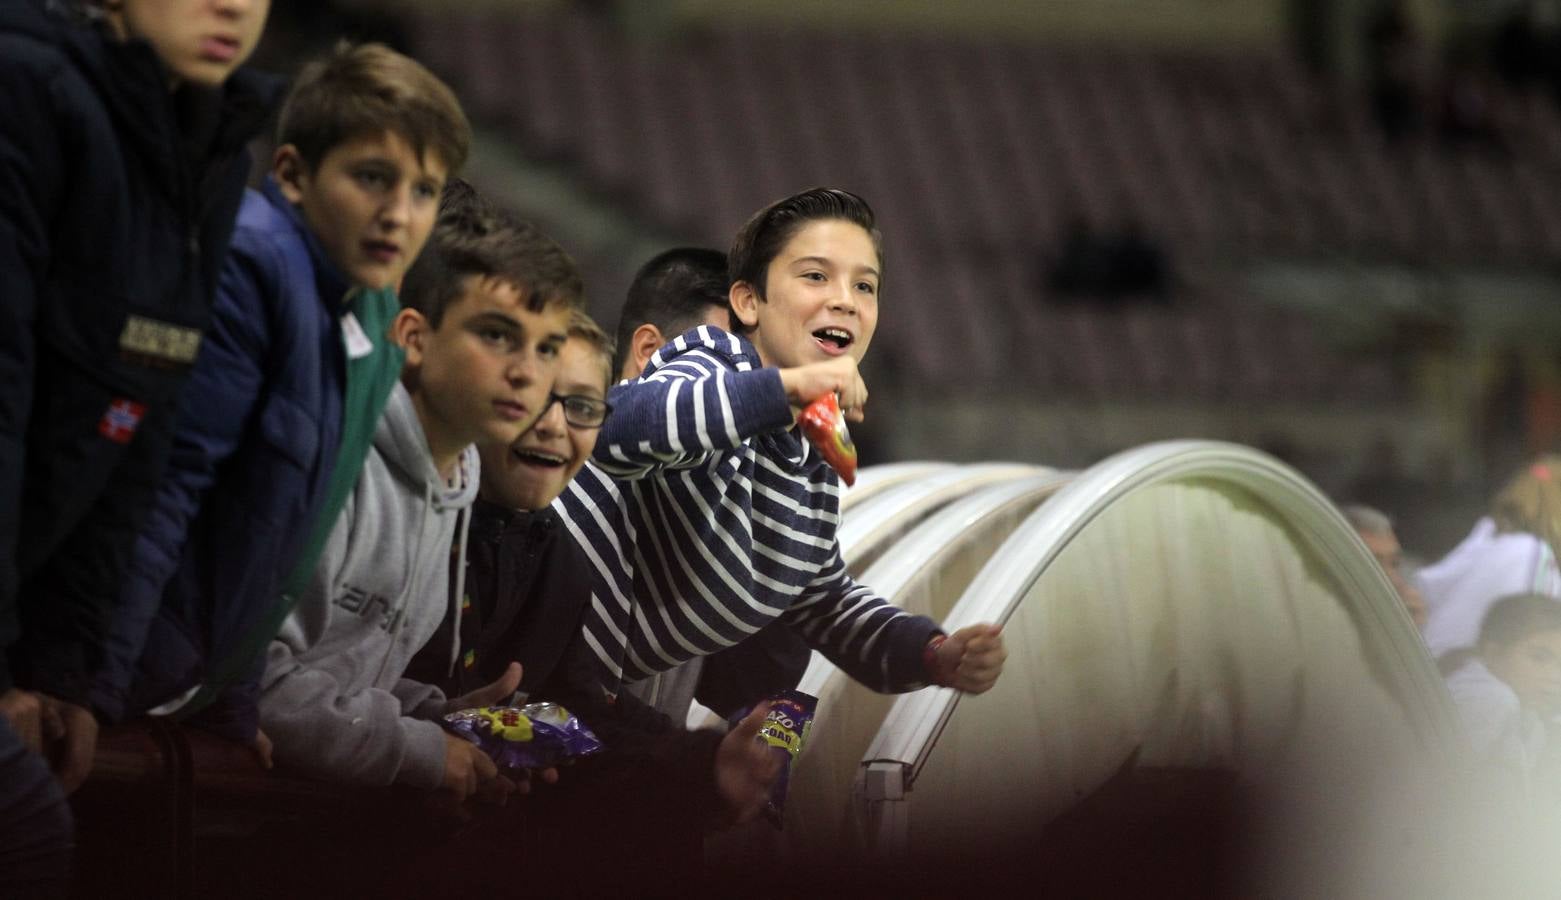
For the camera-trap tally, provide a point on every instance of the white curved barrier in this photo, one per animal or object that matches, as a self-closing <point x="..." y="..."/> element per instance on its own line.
<point x="1185" y="604"/>
<point x="872" y="479"/>
<point x="875" y="523"/>
<point x="925" y="572"/>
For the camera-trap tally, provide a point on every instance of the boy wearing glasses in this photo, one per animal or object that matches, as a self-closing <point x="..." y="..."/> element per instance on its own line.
<point x="517" y="554"/>
<point x="525" y="592"/>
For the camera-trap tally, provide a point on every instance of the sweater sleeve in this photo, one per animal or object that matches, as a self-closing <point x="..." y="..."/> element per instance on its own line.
<point x="30" y="176"/>
<point x="360" y="737"/>
<point x="318" y="726"/>
<point x="679" y="414"/>
<point x="420" y="700"/>
<point x="215" y="409"/>
<point x="876" y="643"/>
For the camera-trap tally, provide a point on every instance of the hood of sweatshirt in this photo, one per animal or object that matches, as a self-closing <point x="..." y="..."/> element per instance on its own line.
<point x="379" y="592"/>
<point x="399" y="440"/>
<point x="785" y="447"/>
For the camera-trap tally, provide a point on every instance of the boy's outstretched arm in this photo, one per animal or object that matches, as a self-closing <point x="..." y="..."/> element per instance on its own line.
<point x="214" y="411"/>
<point x="699" y="401"/>
<point x="695" y="404"/>
<point x="887" y="648"/>
<point x="874" y="642"/>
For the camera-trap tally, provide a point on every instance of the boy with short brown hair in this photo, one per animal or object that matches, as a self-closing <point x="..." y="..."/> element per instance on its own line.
<point x="286" y="393"/>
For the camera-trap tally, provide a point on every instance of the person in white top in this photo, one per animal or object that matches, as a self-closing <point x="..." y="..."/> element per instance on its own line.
<point x="1510" y="551"/>
<point x="1508" y="692"/>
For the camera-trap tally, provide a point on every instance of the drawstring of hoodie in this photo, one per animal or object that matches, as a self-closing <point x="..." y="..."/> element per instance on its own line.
<point x="460" y="592"/>
<point x="409" y="584"/>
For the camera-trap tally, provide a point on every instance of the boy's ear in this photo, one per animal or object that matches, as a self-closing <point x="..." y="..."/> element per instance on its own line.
<point x="646" y="341"/>
<point x="290" y="172"/>
<point x="410" y="330"/>
<point x="745" y="303"/>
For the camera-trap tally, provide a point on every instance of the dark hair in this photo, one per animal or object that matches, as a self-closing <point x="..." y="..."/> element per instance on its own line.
<point x="672" y="292"/>
<point x="470" y="237"/>
<point x="584" y="328"/>
<point x="763" y="236"/>
<point x="368" y="89"/>
<point x="1518" y="615"/>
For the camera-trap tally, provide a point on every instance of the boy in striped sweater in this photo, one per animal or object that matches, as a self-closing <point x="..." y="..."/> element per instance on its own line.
<point x="705" y="516"/>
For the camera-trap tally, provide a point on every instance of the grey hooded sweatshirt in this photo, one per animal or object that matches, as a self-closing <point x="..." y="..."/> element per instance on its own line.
<point x="333" y="699"/>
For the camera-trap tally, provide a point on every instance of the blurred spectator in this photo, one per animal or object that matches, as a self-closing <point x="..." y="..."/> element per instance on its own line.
<point x="1376" y="530"/>
<point x="1110" y="266"/>
<point x="1468" y="114"/>
<point x="1392" y="65"/>
<point x="675" y="291"/>
<point x="1510" y="689"/>
<point x="1510" y="551"/>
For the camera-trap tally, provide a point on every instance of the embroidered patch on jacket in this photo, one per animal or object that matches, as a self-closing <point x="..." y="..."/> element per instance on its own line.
<point x="160" y="341"/>
<point x="120" y="421"/>
<point x="471" y="658"/>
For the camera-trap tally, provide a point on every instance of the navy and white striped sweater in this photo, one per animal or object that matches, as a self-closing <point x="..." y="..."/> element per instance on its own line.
<point x="705" y="518"/>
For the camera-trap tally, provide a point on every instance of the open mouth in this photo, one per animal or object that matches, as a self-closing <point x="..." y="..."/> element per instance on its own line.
<point x="833" y="339"/>
<point x="539" y="458"/>
<point x="381" y="251"/>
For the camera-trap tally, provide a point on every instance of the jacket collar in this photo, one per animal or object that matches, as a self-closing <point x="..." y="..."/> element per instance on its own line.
<point x="492" y="521"/>
<point x="329" y="281"/>
<point x="133" y="84"/>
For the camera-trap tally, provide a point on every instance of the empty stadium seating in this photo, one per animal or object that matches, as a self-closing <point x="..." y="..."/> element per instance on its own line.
<point x="978" y="155"/>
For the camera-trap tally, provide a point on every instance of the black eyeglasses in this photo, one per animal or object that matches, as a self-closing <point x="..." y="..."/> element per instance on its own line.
<point x="581" y="411"/>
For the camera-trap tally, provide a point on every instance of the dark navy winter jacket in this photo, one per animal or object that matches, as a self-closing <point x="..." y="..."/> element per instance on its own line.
<point x="117" y="198"/>
<point x="528" y="588"/>
<point x="258" y="429"/>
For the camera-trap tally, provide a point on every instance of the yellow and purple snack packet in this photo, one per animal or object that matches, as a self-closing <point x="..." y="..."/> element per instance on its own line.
<point x="825" y="427"/>
<point x="534" y="736"/>
<point x="785" y="730"/>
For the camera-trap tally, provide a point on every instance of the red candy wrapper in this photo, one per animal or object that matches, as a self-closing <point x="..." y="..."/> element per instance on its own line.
<point x="825" y="427"/>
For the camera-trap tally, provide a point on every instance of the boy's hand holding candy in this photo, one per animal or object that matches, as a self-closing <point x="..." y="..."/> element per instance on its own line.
<point x="469" y="770"/>
<point x="968" y="660"/>
<point x="804" y="384"/>
<point x="745" y="768"/>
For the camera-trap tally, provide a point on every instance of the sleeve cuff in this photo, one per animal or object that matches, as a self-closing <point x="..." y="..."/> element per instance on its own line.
<point x="423" y="765"/>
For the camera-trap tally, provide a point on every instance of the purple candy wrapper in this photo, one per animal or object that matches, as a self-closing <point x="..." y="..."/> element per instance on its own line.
<point x="534" y="736"/>
<point x="785" y="730"/>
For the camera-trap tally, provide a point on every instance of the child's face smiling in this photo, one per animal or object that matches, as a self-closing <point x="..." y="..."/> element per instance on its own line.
<point x="821" y="296"/>
<point x="485" y="373"/>
<point x="371" y="203"/>
<point x="200" y="41"/>
<point x="1531" y="666"/>
<point x="533" y="470"/>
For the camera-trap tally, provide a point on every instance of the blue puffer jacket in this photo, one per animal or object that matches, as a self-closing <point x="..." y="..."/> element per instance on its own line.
<point x="259" y="426"/>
